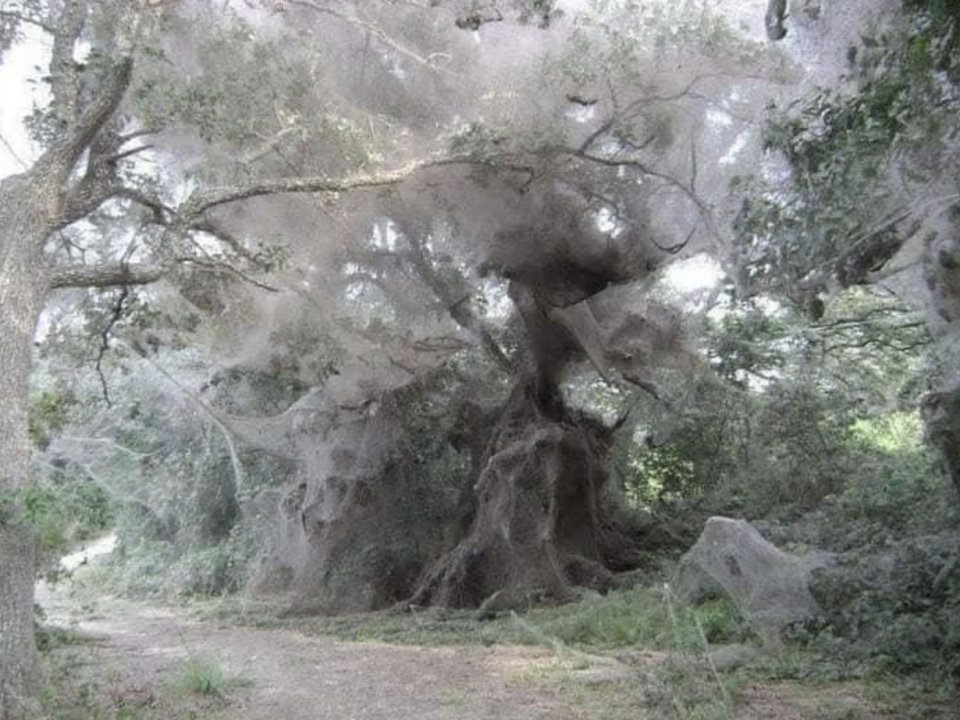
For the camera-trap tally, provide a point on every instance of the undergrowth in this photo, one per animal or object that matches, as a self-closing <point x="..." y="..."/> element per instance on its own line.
<point x="81" y="686"/>
<point x="636" y="617"/>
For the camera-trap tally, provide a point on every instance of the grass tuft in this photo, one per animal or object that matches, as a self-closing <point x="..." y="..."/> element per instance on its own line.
<point x="201" y="676"/>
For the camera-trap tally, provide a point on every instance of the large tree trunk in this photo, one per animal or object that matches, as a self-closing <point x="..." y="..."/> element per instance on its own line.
<point x="537" y="529"/>
<point x="22" y="290"/>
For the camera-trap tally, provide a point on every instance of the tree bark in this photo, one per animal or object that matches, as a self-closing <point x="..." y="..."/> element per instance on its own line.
<point x="941" y="408"/>
<point x="19" y="668"/>
<point x="22" y="290"/>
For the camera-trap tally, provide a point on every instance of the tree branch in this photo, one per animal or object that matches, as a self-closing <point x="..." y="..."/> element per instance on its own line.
<point x="370" y="28"/>
<point x="92" y="120"/>
<point x="213" y="228"/>
<point x="219" y="267"/>
<point x="456" y="301"/>
<point x="13" y="153"/>
<point x="864" y="318"/>
<point x="116" y="313"/>
<point x="80" y="126"/>
<point x="162" y="214"/>
<point x="64" y="70"/>
<point x="205" y="200"/>
<point x="704" y="210"/>
<point x="225" y="430"/>
<point x="123" y="154"/>
<point x="105" y="275"/>
<point x="108" y="442"/>
<point x="132" y="135"/>
<point x="20" y="17"/>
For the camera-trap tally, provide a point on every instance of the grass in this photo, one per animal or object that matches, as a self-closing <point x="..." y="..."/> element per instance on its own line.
<point x="79" y="686"/>
<point x="688" y="682"/>
<point x="680" y="684"/>
<point x="200" y="676"/>
<point x="624" y="618"/>
<point x="53" y="637"/>
<point x="82" y="686"/>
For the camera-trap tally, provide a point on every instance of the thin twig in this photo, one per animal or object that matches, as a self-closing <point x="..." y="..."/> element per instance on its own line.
<point x="226" y="431"/>
<point x="13" y="153"/>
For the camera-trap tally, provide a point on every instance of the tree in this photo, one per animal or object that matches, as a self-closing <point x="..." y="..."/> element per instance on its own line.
<point x="890" y="139"/>
<point x="400" y="272"/>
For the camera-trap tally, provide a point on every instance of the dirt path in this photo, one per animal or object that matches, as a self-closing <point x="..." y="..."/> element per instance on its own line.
<point x="294" y="677"/>
<point x="287" y="675"/>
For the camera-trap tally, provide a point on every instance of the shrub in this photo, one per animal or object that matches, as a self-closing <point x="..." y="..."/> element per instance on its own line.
<point x="897" y="608"/>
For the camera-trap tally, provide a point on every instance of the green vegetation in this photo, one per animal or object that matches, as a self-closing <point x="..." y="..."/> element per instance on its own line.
<point x="80" y="686"/>
<point x="200" y="676"/>
<point x="623" y="618"/>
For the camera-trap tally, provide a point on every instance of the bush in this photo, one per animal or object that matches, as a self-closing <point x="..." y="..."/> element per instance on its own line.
<point x="139" y="570"/>
<point x="897" y="608"/>
<point x="746" y="454"/>
<point x="214" y="570"/>
<point x="152" y="568"/>
<point x="896" y="487"/>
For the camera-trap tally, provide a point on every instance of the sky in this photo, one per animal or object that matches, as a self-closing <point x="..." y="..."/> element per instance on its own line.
<point x="21" y="64"/>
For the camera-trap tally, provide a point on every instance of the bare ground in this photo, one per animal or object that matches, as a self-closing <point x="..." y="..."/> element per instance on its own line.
<point x="295" y="677"/>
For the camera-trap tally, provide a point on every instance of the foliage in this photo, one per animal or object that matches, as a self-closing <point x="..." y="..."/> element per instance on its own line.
<point x="187" y="517"/>
<point x="892" y="599"/>
<point x="748" y="343"/>
<point x="80" y="686"/>
<point x="657" y="474"/>
<point x="870" y="346"/>
<point x="64" y="515"/>
<point x="166" y="571"/>
<point x="733" y="451"/>
<point x="53" y="637"/>
<point x="800" y="422"/>
<point x="633" y="31"/>
<point x="896" y="486"/>
<point x="49" y="414"/>
<point x="897" y="608"/>
<point x="18" y="13"/>
<point x="64" y="504"/>
<point x="889" y="141"/>
<point x="796" y="414"/>
<point x="269" y="95"/>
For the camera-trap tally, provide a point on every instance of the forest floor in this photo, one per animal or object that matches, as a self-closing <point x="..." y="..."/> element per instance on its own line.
<point x="122" y="660"/>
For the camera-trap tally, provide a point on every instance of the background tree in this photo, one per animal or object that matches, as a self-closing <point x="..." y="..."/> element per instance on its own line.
<point x="889" y="138"/>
